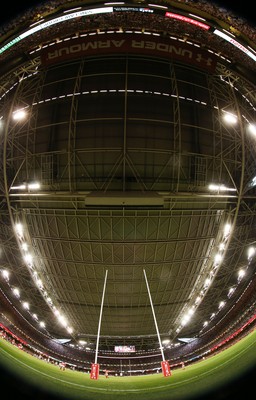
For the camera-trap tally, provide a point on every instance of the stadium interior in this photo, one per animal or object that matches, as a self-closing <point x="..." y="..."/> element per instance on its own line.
<point x="128" y="186"/>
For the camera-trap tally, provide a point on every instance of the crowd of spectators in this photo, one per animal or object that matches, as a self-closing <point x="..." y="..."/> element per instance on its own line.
<point x="38" y="343"/>
<point x="134" y="20"/>
<point x="237" y="23"/>
<point x="48" y="349"/>
<point x="234" y="325"/>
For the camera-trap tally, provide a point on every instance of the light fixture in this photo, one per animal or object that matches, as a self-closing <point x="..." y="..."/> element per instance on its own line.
<point x="252" y="129"/>
<point x="19" y="115"/>
<point x="230" y="118"/>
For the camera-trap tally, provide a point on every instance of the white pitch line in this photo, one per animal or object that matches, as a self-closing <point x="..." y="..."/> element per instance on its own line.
<point x="92" y="388"/>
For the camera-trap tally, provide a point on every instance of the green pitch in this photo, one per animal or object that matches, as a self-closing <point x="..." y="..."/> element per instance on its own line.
<point x="195" y="380"/>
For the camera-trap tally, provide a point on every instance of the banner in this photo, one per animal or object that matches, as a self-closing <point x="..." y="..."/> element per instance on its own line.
<point x="166" y="368"/>
<point x="125" y="43"/>
<point x="95" y="368"/>
<point x="125" y="349"/>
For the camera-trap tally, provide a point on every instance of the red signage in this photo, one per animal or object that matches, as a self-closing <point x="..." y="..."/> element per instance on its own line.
<point x="95" y="368"/>
<point x="166" y="368"/>
<point x="129" y="43"/>
<point x="187" y="19"/>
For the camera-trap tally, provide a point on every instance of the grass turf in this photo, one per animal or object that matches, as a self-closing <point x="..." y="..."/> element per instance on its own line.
<point x="198" y="380"/>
